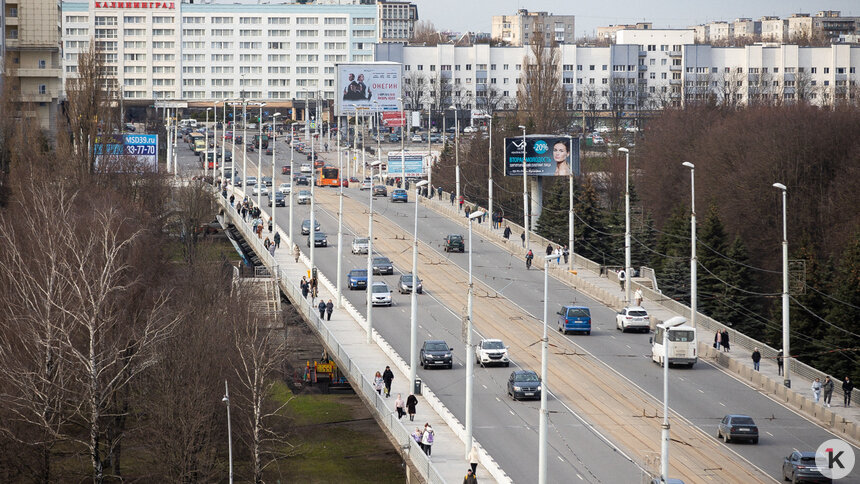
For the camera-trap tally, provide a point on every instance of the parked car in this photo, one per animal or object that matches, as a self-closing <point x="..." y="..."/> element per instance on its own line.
<point x="280" y="199"/>
<point x="416" y="138"/>
<point x="380" y="191"/>
<point x="454" y="243"/>
<point x="491" y="352"/>
<point x="320" y="240"/>
<point x="801" y="467"/>
<point x="399" y="195"/>
<point x="251" y="181"/>
<point x="470" y="129"/>
<point x="524" y="384"/>
<point x="359" y="245"/>
<point x="381" y="266"/>
<point x="306" y="226"/>
<point x="354" y="179"/>
<point x="737" y="427"/>
<point x="285" y="188"/>
<point x="130" y="127"/>
<point x="394" y="138"/>
<point x="632" y="317"/>
<point x="304" y="197"/>
<point x="435" y="138"/>
<point x="357" y="279"/>
<point x="436" y="353"/>
<point x="575" y="319"/>
<point x="367" y="184"/>
<point x="405" y="284"/>
<point x="380" y="294"/>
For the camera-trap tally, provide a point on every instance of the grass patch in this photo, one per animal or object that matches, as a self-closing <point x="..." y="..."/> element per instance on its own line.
<point x="210" y="249"/>
<point x="311" y="409"/>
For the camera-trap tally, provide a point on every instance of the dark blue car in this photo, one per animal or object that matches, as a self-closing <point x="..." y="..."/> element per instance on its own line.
<point x="357" y="279"/>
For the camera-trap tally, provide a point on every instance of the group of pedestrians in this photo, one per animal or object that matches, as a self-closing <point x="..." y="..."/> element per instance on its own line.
<point x="309" y="287"/>
<point x="558" y="252"/>
<point x="826" y="387"/>
<point x="721" y="340"/>
<point x="498" y="220"/>
<point x="424" y="438"/>
<point x="382" y="382"/>
<point x="407" y="407"/>
<point x="325" y="308"/>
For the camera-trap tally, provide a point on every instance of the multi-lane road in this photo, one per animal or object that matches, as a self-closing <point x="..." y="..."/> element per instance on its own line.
<point x="600" y="386"/>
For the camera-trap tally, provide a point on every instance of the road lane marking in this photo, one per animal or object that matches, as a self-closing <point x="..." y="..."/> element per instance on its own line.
<point x="559" y="458"/>
<point x="700" y="391"/>
<point x="512" y="412"/>
<point x="485" y="386"/>
<point x="723" y="404"/>
<point x="768" y="433"/>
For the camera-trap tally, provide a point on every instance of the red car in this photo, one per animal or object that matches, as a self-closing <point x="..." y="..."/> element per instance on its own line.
<point x="345" y="182"/>
<point x="286" y="170"/>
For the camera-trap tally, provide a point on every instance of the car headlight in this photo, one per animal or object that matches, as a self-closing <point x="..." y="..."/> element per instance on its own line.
<point x="447" y="355"/>
<point x="538" y="388"/>
<point x="517" y="389"/>
<point x="429" y="357"/>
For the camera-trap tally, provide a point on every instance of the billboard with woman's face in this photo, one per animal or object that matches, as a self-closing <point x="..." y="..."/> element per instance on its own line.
<point x="544" y="155"/>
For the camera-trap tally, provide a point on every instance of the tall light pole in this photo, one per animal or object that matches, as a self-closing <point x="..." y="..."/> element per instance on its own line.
<point x="456" y="154"/>
<point x="206" y="147"/>
<point x="786" y="352"/>
<point x="244" y="149"/>
<point x="370" y="258"/>
<point x="490" y="170"/>
<point x="664" y="428"/>
<point x="214" y="139"/>
<point x="429" y="150"/>
<point x="233" y="147"/>
<point x="224" y="143"/>
<point x="544" y="357"/>
<point x="694" y="262"/>
<point x="312" y="231"/>
<point x="339" y="213"/>
<point x="627" y="269"/>
<point x="470" y="356"/>
<point x="272" y="193"/>
<point x="226" y="400"/>
<point x="292" y="178"/>
<point x="525" y="194"/>
<point x="403" y="144"/>
<point x="376" y="116"/>
<point x="413" y="316"/>
<point x="260" y="184"/>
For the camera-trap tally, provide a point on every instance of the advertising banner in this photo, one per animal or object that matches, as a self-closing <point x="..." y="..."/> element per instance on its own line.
<point x="127" y="152"/>
<point x="393" y="119"/>
<point x="414" y="163"/>
<point x="372" y="86"/>
<point x="545" y="155"/>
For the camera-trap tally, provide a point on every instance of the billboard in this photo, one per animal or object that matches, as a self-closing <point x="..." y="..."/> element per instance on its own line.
<point x="360" y="85"/>
<point x="393" y="119"/>
<point x="125" y="150"/>
<point x="414" y="163"/>
<point x="545" y="155"/>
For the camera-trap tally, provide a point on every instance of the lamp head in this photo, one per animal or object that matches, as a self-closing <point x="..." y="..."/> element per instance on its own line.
<point x="276" y="115"/>
<point x="522" y="127"/>
<point x="209" y="109"/>
<point x="549" y="257"/>
<point x="688" y="165"/>
<point x="375" y="163"/>
<point x="623" y="150"/>
<point x="780" y="186"/>
<point x="422" y="183"/>
<point x="225" y="399"/>
<point x="476" y="214"/>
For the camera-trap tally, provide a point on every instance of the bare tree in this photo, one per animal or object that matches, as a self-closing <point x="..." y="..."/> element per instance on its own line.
<point x="414" y="87"/>
<point x="489" y="99"/>
<point x="540" y="97"/>
<point x="194" y="207"/>
<point x="591" y="101"/>
<point x="425" y="33"/>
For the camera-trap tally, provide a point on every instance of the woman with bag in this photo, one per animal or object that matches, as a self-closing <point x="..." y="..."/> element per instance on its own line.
<point x="377" y="383"/>
<point x="398" y="405"/>
<point x="427" y="439"/>
<point x="411" y="403"/>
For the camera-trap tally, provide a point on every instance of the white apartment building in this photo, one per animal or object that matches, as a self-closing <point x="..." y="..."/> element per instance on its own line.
<point x="519" y="29"/>
<point x="396" y="20"/>
<point x="205" y="52"/>
<point x="645" y="69"/>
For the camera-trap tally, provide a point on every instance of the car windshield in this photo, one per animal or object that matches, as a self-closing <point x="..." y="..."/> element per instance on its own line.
<point x="400" y="192"/>
<point x="455" y="238"/>
<point x="810" y="461"/>
<point x="637" y="313"/>
<point x="381" y="260"/>
<point x="360" y="241"/>
<point x="305" y="192"/>
<point x="493" y="345"/>
<point x="407" y="278"/>
<point x="742" y="421"/>
<point x="578" y="313"/>
<point x="358" y="273"/>
<point x="681" y="336"/>
<point x="437" y="347"/>
<point x="529" y="376"/>
<point x="381" y="288"/>
<point x="319" y="235"/>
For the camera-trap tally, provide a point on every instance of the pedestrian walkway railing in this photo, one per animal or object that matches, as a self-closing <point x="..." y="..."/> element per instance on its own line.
<point x="704" y="323"/>
<point x="363" y="386"/>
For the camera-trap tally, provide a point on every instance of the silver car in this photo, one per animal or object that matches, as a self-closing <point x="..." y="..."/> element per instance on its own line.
<point x="359" y="245"/>
<point x="304" y="197"/>
<point x="380" y="294"/>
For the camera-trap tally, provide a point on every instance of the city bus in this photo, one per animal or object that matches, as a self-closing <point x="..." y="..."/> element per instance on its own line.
<point x="680" y="340"/>
<point x="327" y="176"/>
<point x="198" y="142"/>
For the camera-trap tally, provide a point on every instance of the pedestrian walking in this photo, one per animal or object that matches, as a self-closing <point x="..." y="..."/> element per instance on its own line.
<point x="724" y="340"/>
<point x="272" y="249"/>
<point x="717" y="340"/>
<point x="462" y="200"/>
<point x="847" y="388"/>
<point x="267" y="243"/>
<point x="473" y="458"/>
<point x="827" y="388"/>
<point x="277" y="240"/>
<point x="507" y="233"/>
<point x="523" y="237"/>
<point x="557" y="253"/>
<point x="377" y="382"/>
<point x="452" y="197"/>
<point x="416" y="436"/>
<point x="816" y="390"/>
<point x="637" y="296"/>
<point x="440" y="195"/>
<point x="260" y="230"/>
<point x="399" y="405"/>
<point x="387" y="377"/>
<point x="427" y="438"/>
<point x="329" y="308"/>
<point x="232" y="199"/>
<point x="622" y="276"/>
<point x="322" y="309"/>
<point x="470" y="477"/>
<point x="548" y="249"/>
<point x="314" y="287"/>
<point x="566" y="253"/>
<point x="304" y="287"/>
<point x="756" y="357"/>
<point x="779" y="362"/>
<point x="296" y="252"/>
<point x="411" y="403"/>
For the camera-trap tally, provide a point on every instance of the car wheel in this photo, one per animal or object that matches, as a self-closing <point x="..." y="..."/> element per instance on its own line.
<point x="755" y="440"/>
<point x="794" y="479"/>
<point x="588" y="332"/>
<point x="719" y="435"/>
<point x="727" y="438"/>
<point x="507" y="364"/>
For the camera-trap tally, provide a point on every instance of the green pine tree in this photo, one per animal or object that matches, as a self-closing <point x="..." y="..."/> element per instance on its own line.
<point x="553" y="221"/>
<point x="807" y="331"/>
<point x="590" y="231"/>
<point x="673" y="246"/>
<point x="644" y="241"/>
<point x="844" y="314"/>
<point x="711" y="248"/>
<point x="736" y="306"/>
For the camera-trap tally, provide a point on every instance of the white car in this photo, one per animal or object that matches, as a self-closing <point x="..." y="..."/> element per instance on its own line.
<point x="306" y="168"/>
<point x="304" y="197"/>
<point x="260" y="190"/>
<point x="380" y="294"/>
<point x="366" y="184"/>
<point x="491" y="352"/>
<point x="416" y="138"/>
<point x="633" y="317"/>
<point x="470" y="129"/>
<point x="285" y="188"/>
<point x="251" y="180"/>
<point x="359" y="245"/>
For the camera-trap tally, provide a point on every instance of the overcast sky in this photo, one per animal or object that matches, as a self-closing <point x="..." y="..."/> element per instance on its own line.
<point x="475" y="15"/>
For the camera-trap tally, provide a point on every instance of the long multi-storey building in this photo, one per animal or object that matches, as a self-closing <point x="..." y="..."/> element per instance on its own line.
<point x="212" y="51"/>
<point x="30" y="58"/>
<point x="644" y="69"/>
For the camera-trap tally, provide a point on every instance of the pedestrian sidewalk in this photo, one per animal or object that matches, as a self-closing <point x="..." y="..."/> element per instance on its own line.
<point x="604" y="286"/>
<point x="345" y="338"/>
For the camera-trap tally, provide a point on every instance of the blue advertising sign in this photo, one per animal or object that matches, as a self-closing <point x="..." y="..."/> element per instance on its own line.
<point x="125" y="150"/>
<point x="544" y="155"/>
<point x="414" y="163"/>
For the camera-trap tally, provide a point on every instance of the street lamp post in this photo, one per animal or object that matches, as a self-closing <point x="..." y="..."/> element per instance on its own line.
<point x="413" y="316"/>
<point x="664" y="428"/>
<point x="312" y="231"/>
<point x="490" y="170"/>
<point x="244" y="149"/>
<point x="370" y="259"/>
<point x="628" y="272"/>
<point x="429" y="151"/>
<point x="224" y="144"/>
<point x="233" y="148"/>
<point x="469" y="354"/>
<point x="292" y="178"/>
<point x="272" y="196"/>
<point x="786" y="353"/>
<point x="544" y="357"/>
<point x="456" y="154"/>
<point x="525" y="194"/>
<point x="694" y="294"/>
<point x="339" y="213"/>
<point x="206" y="147"/>
<point x="214" y="139"/>
<point x="226" y="400"/>
<point x="260" y="157"/>
<point x="403" y="145"/>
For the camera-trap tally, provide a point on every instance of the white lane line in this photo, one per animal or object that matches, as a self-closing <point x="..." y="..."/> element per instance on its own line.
<point x="512" y="412"/>
<point x="768" y="433"/>
<point x="700" y="391"/>
<point x="559" y="458"/>
<point x="628" y="347"/>
<point x="485" y="386"/>
<point x="497" y="398"/>
<point x="723" y="404"/>
<point x="580" y="477"/>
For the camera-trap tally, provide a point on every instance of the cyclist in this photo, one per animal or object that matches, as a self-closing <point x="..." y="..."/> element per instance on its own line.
<point x="529" y="257"/>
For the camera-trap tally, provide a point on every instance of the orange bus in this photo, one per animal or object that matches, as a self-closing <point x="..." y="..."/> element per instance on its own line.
<point x="327" y="176"/>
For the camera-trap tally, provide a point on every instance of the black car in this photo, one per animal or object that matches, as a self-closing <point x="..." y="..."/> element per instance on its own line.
<point x="405" y="285"/>
<point x="280" y="199"/>
<point x="436" y="353"/>
<point x="320" y="240"/>
<point x="381" y="266"/>
<point x="302" y="180"/>
<point x="267" y="180"/>
<point x="801" y="467"/>
<point x="737" y="427"/>
<point x="306" y="226"/>
<point x="380" y="191"/>
<point x="454" y="243"/>
<point x="524" y="384"/>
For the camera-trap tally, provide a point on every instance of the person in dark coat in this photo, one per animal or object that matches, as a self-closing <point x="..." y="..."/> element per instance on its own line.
<point x="329" y="308"/>
<point x="724" y="340"/>
<point x="507" y="232"/>
<point x="847" y="388"/>
<point x="322" y="309"/>
<point x="548" y="249"/>
<point x="779" y="362"/>
<point x="387" y="377"/>
<point x="304" y="287"/>
<point x="411" y="403"/>
<point x="756" y="357"/>
<point x="277" y="240"/>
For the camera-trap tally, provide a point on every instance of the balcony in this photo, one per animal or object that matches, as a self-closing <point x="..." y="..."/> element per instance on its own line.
<point x="675" y="53"/>
<point x="21" y="72"/>
<point x="676" y="68"/>
<point x="643" y="67"/>
<point x="37" y="97"/>
<point x="675" y="82"/>
<point x="643" y="53"/>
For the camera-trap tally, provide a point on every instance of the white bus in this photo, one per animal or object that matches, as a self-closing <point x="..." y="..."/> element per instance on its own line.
<point x="681" y="342"/>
